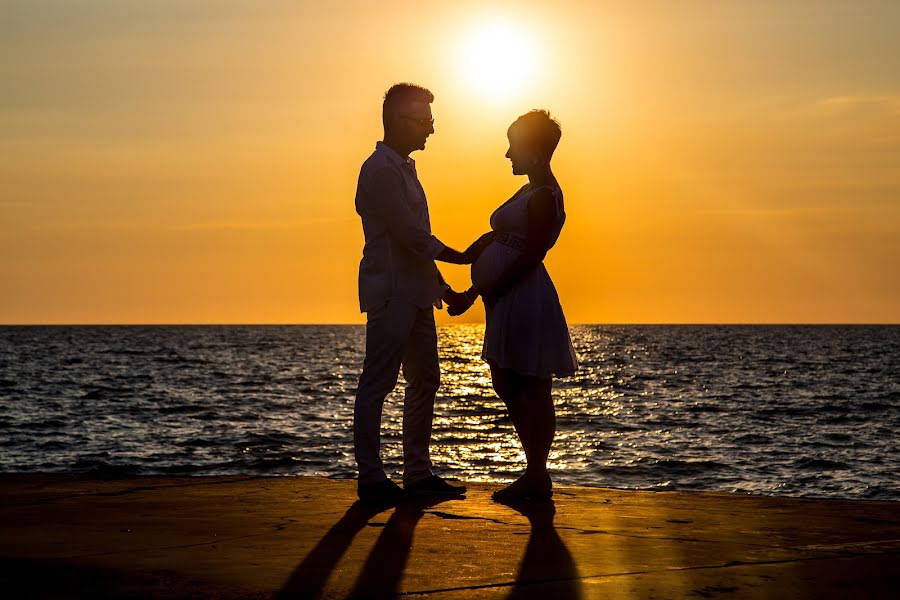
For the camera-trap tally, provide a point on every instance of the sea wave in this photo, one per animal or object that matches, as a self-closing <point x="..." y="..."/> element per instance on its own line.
<point x="801" y="411"/>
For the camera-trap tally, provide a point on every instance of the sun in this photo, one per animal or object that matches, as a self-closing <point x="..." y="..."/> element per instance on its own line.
<point x="497" y="60"/>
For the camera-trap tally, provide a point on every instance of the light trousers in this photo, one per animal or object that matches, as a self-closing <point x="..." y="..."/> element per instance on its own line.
<point x="398" y="334"/>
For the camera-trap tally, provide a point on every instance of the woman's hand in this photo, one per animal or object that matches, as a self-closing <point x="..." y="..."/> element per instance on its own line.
<point x="477" y="247"/>
<point x="462" y="302"/>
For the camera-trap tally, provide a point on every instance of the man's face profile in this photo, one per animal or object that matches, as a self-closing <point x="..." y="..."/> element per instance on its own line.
<point x="416" y="124"/>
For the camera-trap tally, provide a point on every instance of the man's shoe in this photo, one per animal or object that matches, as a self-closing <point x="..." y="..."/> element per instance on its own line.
<point x="385" y="493"/>
<point x="434" y="486"/>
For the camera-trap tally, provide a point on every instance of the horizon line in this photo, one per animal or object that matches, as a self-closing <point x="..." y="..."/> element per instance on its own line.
<point x="359" y="324"/>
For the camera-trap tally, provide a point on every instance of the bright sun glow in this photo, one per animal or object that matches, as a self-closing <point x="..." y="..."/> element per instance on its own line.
<point x="498" y="60"/>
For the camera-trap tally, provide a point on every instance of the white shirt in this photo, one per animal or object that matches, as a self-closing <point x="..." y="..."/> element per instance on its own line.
<point x="398" y="257"/>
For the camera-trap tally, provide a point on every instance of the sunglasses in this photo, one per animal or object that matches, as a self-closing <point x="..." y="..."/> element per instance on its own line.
<point x="420" y="122"/>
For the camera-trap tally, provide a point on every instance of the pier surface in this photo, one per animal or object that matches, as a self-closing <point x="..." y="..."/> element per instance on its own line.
<point x="68" y="536"/>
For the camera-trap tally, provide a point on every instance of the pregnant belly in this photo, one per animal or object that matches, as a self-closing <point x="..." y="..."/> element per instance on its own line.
<point x="491" y="265"/>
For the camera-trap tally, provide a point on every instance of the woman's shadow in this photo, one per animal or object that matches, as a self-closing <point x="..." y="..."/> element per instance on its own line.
<point x="547" y="569"/>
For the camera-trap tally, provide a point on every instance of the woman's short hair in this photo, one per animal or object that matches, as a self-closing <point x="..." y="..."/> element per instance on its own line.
<point x="399" y="97"/>
<point x="541" y="130"/>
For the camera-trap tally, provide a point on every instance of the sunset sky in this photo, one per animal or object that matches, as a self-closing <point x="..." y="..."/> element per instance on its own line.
<point x="186" y="161"/>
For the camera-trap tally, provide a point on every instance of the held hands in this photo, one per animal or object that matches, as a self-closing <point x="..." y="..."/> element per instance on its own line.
<point x="459" y="302"/>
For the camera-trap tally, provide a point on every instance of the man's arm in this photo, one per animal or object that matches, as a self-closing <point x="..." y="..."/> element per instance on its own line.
<point x="477" y="247"/>
<point x="449" y="255"/>
<point x="385" y="199"/>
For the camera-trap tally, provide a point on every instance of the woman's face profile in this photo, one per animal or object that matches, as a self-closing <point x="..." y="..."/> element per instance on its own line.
<point x="518" y="153"/>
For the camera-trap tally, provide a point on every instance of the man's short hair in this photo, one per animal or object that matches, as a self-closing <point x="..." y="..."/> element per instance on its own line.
<point x="399" y="97"/>
<point x="542" y="130"/>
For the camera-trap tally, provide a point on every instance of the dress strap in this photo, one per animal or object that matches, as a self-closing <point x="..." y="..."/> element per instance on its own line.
<point x="556" y="192"/>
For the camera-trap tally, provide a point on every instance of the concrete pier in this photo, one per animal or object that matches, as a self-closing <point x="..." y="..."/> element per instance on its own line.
<point x="256" y="537"/>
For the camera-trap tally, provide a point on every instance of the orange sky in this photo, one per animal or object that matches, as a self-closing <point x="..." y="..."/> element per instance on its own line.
<point x="196" y="162"/>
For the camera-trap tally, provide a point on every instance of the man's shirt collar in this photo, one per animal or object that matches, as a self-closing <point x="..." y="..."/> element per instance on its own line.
<point x="394" y="156"/>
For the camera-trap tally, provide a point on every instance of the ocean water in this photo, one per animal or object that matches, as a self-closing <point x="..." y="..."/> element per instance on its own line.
<point x="779" y="410"/>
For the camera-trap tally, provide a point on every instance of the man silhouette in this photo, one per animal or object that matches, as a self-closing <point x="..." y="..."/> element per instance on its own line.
<point x="399" y="286"/>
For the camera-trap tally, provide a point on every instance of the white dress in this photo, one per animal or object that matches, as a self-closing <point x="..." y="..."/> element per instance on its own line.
<point x="525" y="331"/>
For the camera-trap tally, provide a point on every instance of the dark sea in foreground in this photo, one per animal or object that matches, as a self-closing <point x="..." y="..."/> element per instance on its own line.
<point x="780" y="410"/>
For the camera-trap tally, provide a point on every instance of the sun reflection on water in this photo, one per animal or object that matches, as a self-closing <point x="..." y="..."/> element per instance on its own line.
<point x="473" y="437"/>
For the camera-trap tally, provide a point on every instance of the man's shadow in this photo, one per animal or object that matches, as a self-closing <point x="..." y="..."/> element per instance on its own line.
<point x="547" y="569"/>
<point x="383" y="569"/>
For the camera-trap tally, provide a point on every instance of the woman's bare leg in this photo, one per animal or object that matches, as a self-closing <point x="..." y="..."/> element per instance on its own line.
<point x="540" y="419"/>
<point x="530" y="406"/>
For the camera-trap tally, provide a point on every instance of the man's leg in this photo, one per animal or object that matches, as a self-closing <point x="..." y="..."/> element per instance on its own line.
<point x="387" y="332"/>
<point x="422" y="372"/>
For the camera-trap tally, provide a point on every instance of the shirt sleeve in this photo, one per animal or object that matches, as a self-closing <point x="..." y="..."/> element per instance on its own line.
<point x="438" y="303"/>
<point x="387" y="202"/>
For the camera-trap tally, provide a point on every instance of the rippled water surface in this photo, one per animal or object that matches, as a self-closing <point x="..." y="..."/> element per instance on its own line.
<point x="793" y="410"/>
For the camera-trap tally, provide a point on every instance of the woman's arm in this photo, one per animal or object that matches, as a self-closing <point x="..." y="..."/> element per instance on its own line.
<point x="541" y="217"/>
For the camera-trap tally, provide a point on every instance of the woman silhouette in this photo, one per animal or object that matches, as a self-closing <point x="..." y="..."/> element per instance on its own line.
<point x="526" y="338"/>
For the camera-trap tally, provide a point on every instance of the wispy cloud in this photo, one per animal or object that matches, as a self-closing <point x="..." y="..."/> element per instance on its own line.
<point x="863" y="105"/>
<point x="280" y="225"/>
<point x="780" y="213"/>
<point x="198" y="227"/>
